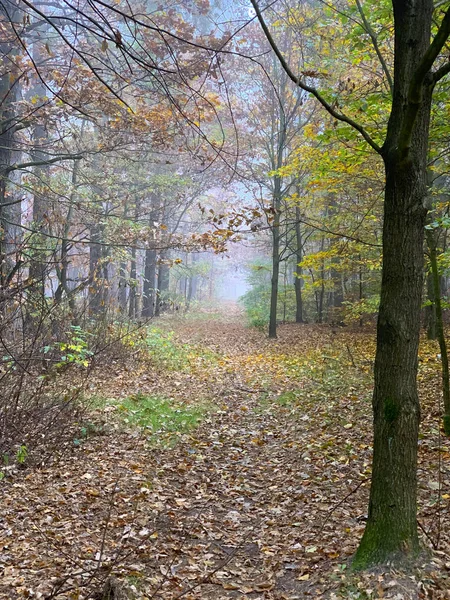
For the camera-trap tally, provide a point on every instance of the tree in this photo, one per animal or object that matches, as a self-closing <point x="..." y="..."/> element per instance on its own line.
<point x="391" y="528"/>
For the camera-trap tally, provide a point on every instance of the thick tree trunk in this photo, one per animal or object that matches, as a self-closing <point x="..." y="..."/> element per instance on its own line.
<point x="391" y="529"/>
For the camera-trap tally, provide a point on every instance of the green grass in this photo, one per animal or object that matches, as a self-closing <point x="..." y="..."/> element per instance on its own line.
<point x="175" y="356"/>
<point x="160" y="415"/>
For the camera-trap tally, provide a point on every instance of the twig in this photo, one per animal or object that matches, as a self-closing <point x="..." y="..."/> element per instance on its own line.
<point x="331" y="511"/>
<point x="427" y="535"/>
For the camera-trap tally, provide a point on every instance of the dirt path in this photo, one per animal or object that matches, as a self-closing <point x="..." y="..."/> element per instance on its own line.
<point x="265" y="500"/>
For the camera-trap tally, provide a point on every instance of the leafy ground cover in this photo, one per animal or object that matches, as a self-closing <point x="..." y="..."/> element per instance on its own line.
<point x="263" y="495"/>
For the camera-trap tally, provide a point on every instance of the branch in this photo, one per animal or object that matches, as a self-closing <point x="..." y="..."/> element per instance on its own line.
<point x="416" y="87"/>
<point x="440" y="73"/>
<point x="311" y="90"/>
<point x="42" y="163"/>
<point x="374" y="40"/>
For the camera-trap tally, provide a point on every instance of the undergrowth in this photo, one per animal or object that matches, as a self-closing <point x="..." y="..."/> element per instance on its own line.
<point x="167" y="352"/>
<point x="161" y="416"/>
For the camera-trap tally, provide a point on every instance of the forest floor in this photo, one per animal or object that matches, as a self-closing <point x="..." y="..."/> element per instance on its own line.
<point x="264" y="499"/>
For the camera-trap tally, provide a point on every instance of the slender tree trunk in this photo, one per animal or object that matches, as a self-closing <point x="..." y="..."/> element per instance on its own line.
<point x="430" y="310"/>
<point x="150" y="266"/>
<point x="95" y="270"/>
<point x="431" y="241"/>
<point x="64" y="262"/>
<point x="41" y="256"/>
<point x="275" y="273"/>
<point x="162" y="285"/>
<point x="193" y="283"/>
<point x="149" y="295"/>
<point x="9" y="92"/>
<point x="321" y="294"/>
<point x="132" y="297"/>
<point x="361" y="289"/>
<point x="299" y="317"/>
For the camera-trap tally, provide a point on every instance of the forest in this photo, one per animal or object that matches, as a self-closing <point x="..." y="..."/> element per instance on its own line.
<point x="224" y="299"/>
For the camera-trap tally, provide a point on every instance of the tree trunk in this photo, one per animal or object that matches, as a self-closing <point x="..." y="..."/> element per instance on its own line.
<point x="132" y="297"/>
<point x="391" y="529"/>
<point x="149" y="287"/>
<point x="321" y="293"/>
<point x="193" y="283"/>
<point x="430" y="310"/>
<point x="162" y="285"/>
<point x="275" y="274"/>
<point x="299" y="317"/>
<point x="148" y="300"/>
<point x="9" y="92"/>
<point x="64" y="261"/>
<point x="361" y="289"/>
<point x="431" y="240"/>
<point x="95" y="270"/>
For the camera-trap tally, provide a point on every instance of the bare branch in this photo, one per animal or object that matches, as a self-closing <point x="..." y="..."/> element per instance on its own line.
<point x="375" y="45"/>
<point x="42" y="163"/>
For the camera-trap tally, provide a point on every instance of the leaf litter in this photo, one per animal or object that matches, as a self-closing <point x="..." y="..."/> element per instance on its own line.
<point x="266" y="498"/>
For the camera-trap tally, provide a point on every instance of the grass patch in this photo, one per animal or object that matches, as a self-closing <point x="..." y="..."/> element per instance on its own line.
<point x="160" y="415"/>
<point x="167" y="352"/>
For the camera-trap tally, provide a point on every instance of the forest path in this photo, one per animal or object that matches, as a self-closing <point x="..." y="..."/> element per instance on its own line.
<point x="264" y="500"/>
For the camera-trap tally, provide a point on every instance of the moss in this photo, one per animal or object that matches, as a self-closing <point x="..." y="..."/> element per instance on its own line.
<point x="446" y="423"/>
<point x="382" y="544"/>
<point x="391" y="410"/>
